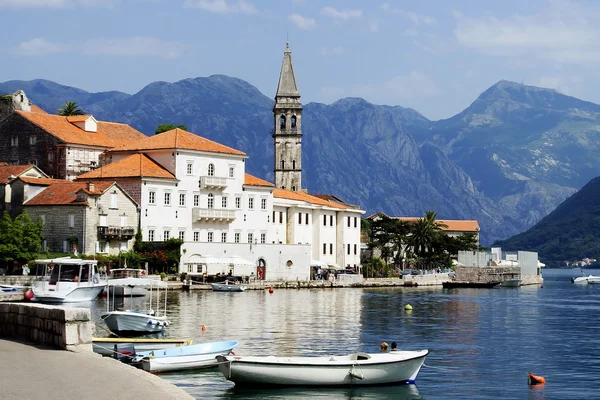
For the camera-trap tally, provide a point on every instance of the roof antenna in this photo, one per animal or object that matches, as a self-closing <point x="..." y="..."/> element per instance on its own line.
<point x="287" y="41"/>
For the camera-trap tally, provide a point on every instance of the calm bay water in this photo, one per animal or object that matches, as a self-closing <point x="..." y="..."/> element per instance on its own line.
<point x="482" y="342"/>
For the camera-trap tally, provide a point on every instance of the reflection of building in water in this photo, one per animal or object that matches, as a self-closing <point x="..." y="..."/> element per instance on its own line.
<point x="285" y="322"/>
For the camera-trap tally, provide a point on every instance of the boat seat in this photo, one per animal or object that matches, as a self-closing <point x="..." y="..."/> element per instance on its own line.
<point x="359" y="356"/>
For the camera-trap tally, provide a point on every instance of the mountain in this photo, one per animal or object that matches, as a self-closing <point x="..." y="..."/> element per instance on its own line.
<point x="507" y="160"/>
<point x="568" y="233"/>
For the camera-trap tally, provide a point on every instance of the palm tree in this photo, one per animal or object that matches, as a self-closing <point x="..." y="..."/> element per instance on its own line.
<point x="424" y="233"/>
<point x="70" y="108"/>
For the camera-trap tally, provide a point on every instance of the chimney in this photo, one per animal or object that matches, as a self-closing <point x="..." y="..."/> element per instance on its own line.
<point x="91" y="187"/>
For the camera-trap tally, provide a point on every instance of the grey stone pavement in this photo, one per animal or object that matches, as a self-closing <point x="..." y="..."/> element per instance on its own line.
<point x="33" y="372"/>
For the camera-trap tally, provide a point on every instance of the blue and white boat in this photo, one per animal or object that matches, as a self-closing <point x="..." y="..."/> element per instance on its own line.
<point x="194" y="356"/>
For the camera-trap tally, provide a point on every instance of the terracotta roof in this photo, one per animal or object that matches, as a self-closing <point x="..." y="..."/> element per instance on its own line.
<point x="36" y="109"/>
<point x="109" y="134"/>
<point x="40" y="181"/>
<point x="136" y="165"/>
<point x="78" y="118"/>
<point x="7" y="170"/>
<point x="453" y="224"/>
<point x="301" y="196"/>
<point x="178" y="139"/>
<point x="254" y="181"/>
<point x="65" y="193"/>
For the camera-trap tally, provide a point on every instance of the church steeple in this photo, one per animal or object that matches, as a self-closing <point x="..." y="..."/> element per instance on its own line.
<point x="287" y="132"/>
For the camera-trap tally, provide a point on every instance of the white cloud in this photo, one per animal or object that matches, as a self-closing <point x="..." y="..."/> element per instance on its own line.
<point x="342" y="15"/>
<point x="571" y="85"/>
<point x="397" y="90"/>
<point x="566" y="33"/>
<point x="302" y="22"/>
<point x="335" y="51"/>
<point x="222" y="6"/>
<point x="133" y="46"/>
<point x="417" y="19"/>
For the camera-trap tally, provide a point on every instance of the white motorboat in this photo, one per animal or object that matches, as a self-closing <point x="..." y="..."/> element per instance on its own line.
<point x="593" y="280"/>
<point x="347" y="370"/>
<point x="227" y="287"/>
<point x="131" y="322"/>
<point x="195" y="356"/>
<point x="106" y="346"/>
<point x="586" y="278"/>
<point x="66" y="280"/>
<point x="126" y="291"/>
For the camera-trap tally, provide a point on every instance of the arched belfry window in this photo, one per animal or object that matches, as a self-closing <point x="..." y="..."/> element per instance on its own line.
<point x="282" y="122"/>
<point x="293" y="164"/>
<point x="293" y="121"/>
<point x="211" y="169"/>
<point x="282" y="164"/>
<point x="211" y="201"/>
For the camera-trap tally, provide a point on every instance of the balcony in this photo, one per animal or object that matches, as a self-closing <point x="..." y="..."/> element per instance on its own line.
<point x="212" y="182"/>
<point x="116" y="232"/>
<point x="213" y="214"/>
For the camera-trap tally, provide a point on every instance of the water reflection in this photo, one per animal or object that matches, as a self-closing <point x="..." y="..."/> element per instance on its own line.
<point x="381" y="392"/>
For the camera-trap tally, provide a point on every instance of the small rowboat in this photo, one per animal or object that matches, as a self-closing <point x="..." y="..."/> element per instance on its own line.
<point x="195" y="356"/>
<point x="348" y="370"/>
<point x="227" y="287"/>
<point x="106" y="346"/>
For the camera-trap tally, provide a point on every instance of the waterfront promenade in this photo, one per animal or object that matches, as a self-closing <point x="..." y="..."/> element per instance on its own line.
<point x="37" y="372"/>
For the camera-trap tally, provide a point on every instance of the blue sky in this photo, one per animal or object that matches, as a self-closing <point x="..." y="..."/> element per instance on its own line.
<point x="433" y="56"/>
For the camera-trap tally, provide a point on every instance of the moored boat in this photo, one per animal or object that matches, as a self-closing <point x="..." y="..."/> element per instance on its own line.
<point x="511" y="283"/>
<point x="227" y="287"/>
<point x="134" y="322"/>
<point x="347" y="370"/>
<point x="106" y="346"/>
<point x="126" y="291"/>
<point x="66" y="280"/>
<point x="593" y="280"/>
<point x="195" y="356"/>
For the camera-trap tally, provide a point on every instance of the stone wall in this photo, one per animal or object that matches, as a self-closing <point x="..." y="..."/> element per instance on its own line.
<point x="60" y="327"/>
<point x="487" y="274"/>
<point x="56" y="225"/>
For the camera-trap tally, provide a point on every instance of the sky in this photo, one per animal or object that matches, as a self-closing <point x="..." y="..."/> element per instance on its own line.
<point x="433" y="56"/>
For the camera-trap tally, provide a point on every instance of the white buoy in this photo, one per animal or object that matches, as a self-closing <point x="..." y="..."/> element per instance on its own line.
<point x="408" y="307"/>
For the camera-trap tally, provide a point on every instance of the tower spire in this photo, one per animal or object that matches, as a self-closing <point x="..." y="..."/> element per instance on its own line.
<point x="287" y="132"/>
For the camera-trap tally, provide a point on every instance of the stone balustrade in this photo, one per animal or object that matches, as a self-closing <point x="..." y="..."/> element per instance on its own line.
<point x="60" y="327"/>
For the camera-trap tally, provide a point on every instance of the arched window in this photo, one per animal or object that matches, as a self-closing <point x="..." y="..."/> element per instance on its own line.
<point x="211" y="200"/>
<point x="282" y="164"/>
<point x="293" y="164"/>
<point x="282" y="122"/>
<point x="293" y="121"/>
<point x="211" y="169"/>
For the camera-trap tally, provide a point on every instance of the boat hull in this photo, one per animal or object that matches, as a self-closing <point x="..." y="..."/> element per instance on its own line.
<point x="593" y="280"/>
<point x="223" y="287"/>
<point x="197" y="356"/>
<point x="128" y="322"/>
<point x="380" y="369"/>
<point x="66" y="293"/>
<point x="106" y="346"/>
<point x="511" y="283"/>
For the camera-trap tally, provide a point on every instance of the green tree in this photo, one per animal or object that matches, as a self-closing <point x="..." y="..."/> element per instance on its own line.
<point x="70" y="108"/>
<point x="21" y="239"/>
<point x="424" y="233"/>
<point x="167" y="127"/>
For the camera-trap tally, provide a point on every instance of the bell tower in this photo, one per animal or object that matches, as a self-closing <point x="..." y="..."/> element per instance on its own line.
<point x="287" y="132"/>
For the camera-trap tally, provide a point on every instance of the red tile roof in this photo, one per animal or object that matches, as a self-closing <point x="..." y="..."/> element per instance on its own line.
<point x="109" y="134"/>
<point x="7" y="170"/>
<point x="40" y="181"/>
<point x="301" y="196"/>
<point x="178" y="139"/>
<point x="36" y="109"/>
<point x="254" y="181"/>
<point x="136" y="165"/>
<point x="65" y="193"/>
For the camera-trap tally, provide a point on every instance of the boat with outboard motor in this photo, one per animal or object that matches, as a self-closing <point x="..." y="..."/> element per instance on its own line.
<point x="133" y="322"/>
<point x="66" y="280"/>
<point x="347" y="370"/>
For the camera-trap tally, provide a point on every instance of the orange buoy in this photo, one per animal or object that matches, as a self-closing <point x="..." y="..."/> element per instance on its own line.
<point x="535" y="380"/>
<point x="270" y="289"/>
<point x="203" y="328"/>
<point x="28" y="294"/>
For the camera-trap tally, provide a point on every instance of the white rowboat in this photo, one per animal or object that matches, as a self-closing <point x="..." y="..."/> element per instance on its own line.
<point x="348" y="370"/>
<point x="106" y="346"/>
<point x="195" y="356"/>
